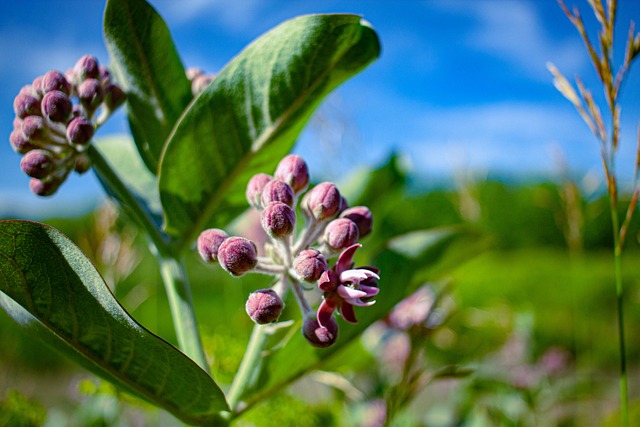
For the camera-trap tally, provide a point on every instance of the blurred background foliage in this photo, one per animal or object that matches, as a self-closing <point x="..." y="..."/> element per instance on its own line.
<point x="527" y="336"/>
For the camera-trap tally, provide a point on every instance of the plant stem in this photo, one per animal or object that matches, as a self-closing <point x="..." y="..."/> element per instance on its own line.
<point x="171" y="269"/>
<point x="248" y="367"/>
<point x="184" y="319"/>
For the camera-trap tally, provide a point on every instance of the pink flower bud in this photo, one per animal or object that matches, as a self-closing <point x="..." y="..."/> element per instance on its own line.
<point x="37" y="87"/>
<point x="37" y="163"/>
<point x="237" y="255"/>
<point x="200" y="83"/>
<point x="19" y="143"/>
<point x="254" y="189"/>
<point x="264" y="306"/>
<point x="26" y="105"/>
<point x="90" y="94"/>
<point x="341" y="233"/>
<point x="33" y="128"/>
<point x="80" y="130"/>
<point x="86" y="68"/>
<point x="319" y="336"/>
<point x="209" y="242"/>
<point x="310" y="264"/>
<point x="277" y="191"/>
<point x="105" y="76"/>
<point x="114" y="96"/>
<point x="362" y="216"/>
<point x="55" y="80"/>
<point x="56" y="106"/>
<point x="293" y="170"/>
<point x="44" y="187"/>
<point x="322" y="202"/>
<point x="278" y="219"/>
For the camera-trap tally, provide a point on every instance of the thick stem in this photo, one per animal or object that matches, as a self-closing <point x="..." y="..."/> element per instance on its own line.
<point x="180" y="302"/>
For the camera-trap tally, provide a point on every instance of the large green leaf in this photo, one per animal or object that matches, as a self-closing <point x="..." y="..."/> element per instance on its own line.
<point x="53" y="291"/>
<point x="251" y="114"/>
<point x="403" y="265"/>
<point x="146" y="63"/>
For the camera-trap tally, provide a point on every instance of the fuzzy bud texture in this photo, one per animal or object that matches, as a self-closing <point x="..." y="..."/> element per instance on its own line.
<point x="209" y="242"/>
<point x="310" y="264"/>
<point x="277" y="191"/>
<point x="254" y="189"/>
<point x="278" y="219"/>
<point x="322" y="202"/>
<point x="56" y="116"/>
<point x="294" y="171"/>
<point x="237" y="255"/>
<point x="361" y="216"/>
<point x="264" y="306"/>
<point x="341" y="233"/>
<point x="320" y="336"/>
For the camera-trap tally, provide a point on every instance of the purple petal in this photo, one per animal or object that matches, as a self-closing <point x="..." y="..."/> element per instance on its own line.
<point x="357" y="275"/>
<point x="359" y="303"/>
<point x="347" y="313"/>
<point x="369" y="290"/>
<point x="347" y="292"/>
<point x="328" y="281"/>
<point x="325" y="311"/>
<point x="345" y="260"/>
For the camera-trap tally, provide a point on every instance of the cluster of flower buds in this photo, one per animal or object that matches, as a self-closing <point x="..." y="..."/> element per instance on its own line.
<point x="55" y="121"/>
<point x="331" y="229"/>
<point x="199" y="80"/>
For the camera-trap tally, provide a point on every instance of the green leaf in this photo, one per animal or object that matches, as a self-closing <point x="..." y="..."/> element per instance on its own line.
<point x="251" y="114"/>
<point x="399" y="269"/>
<point x="52" y="290"/>
<point x="146" y="63"/>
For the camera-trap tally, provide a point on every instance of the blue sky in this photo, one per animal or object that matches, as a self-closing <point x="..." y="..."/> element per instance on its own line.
<point x="461" y="86"/>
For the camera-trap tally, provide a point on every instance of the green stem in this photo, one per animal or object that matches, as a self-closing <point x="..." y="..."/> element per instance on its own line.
<point x="184" y="320"/>
<point x="248" y="367"/>
<point x="171" y="270"/>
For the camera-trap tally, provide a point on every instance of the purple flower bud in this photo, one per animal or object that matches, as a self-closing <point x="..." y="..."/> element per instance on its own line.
<point x="83" y="163"/>
<point x="341" y="233"/>
<point x="254" y="189"/>
<point x="37" y="164"/>
<point x="294" y="171"/>
<point x="56" y="106"/>
<point x="19" y="143"/>
<point x="90" y="94"/>
<point x="278" y="219"/>
<point x="362" y="216"/>
<point x="114" y="96"/>
<point x="80" y="130"/>
<point x="344" y="205"/>
<point x="33" y="127"/>
<point x="44" y="187"/>
<point x="26" y="105"/>
<point x="277" y="191"/>
<point x="209" y="242"/>
<point x="37" y="87"/>
<point x="237" y="255"/>
<point x="310" y="264"/>
<point x="322" y="202"/>
<point x="319" y="336"/>
<point x="105" y="76"/>
<point x="264" y="306"/>
<point x="86" y="68"/>
<point x="55" y="80"/>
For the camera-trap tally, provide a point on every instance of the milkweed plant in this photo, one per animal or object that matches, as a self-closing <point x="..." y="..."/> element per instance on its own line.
<point x="203" y="149"/>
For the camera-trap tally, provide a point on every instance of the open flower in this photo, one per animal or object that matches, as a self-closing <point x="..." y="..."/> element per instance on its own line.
<point x="345" y="287"/>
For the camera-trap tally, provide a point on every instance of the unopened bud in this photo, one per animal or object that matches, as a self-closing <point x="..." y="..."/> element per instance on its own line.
<point x="209" y="242"/>
<point x="83" y="163"/>
<point x="341" y="233"/>
<point x="26" y="105"/>
<point x="90" y="94"/>
<point x="278" y="219"/>
<point x="44" y="187"/>
<point x="86" y="68"/>
<point x="310" y="264"/>
<point x="264" y="306"/>
<point x="37" y="87"/>
<point x="33" y="128"/>
<point x="105" y="76"/>
<point x="19" y="143"/>
<point x="322" y="202"/>
<point x="56" y="106"/>
<point x="200" y="83"/>
<point x="193" y="72"/>
<point x="114" y="96"/>
<point x="80" y="130"/>
<point x="237" y="255"/>
<point x="55" y="80"/>
<point x="320" y="336"/>
<point x="294" y="171"/>
<point x="362" y="216"/>
<point x="277" y="191"/>
<point x="254" y="189"/>
<point x="37" y="163"/>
